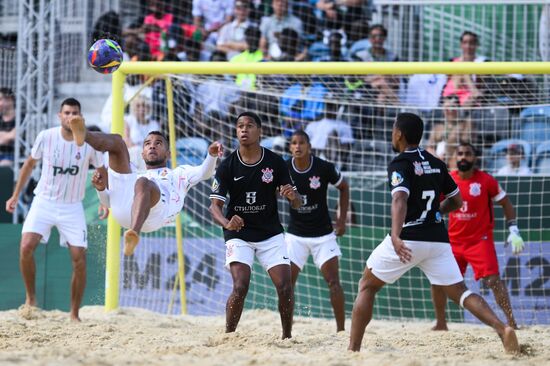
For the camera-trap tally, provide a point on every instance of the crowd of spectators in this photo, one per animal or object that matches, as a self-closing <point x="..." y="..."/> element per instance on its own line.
<point x="246" y="31"/>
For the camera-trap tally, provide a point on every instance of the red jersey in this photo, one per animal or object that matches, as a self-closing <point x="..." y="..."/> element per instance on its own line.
<point x="474" y="221"/>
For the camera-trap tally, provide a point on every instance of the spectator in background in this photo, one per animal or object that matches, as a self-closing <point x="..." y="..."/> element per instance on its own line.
<point x="377" y="51"/>
<point x="358" y="37"/>
<point x="251" y="54"/>
<point x="336" y="44"/>
<point x="340" y="14"/>
<point x="272" y="26"/>
<point x="107" y="26"/>
<point x="514" y="157"/>
<point x="175" y="45"/>
<point x="424" y="91"/>
<point x="301" y="102"/>
<point x="7" y="126"/>
<point x="466" y="87"/>
<point x="158" y="21"/>
<point x="208" y="17"/>
<point x="231" y="38"/>
<point x="289" y="43"/>
<point x="331" y="137"/>
<point x="446" y="136"/>
<point x="138" y="125"/>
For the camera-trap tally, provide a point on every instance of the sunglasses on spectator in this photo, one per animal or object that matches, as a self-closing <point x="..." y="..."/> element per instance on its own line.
<point x="377" y="35"/>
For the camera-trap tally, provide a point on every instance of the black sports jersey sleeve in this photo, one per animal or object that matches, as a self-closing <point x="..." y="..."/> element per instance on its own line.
<point x="219" y="184"/>
<point x="399" y="176"/>
<point x="424" y="178"/>
<point x="333" y="175"/>
<point x="283" y="177"/>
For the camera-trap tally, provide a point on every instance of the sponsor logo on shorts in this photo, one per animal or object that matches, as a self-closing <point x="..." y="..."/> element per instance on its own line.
<point x="285" y="258"/>
<point x="229" y="249"/>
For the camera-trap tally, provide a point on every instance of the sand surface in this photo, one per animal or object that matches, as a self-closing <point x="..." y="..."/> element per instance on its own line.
<point x="135" y="336"/>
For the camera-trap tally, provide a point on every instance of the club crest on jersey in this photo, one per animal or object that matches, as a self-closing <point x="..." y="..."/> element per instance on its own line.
<point x="418" y="170"/>
<point x="475" y="189"/>
<point x="314" y="182"/>
<point x="77" y="157"/>
<point x="163" y="173"/>
<point x="267" y="176"/>
<point x="396" y="179"/>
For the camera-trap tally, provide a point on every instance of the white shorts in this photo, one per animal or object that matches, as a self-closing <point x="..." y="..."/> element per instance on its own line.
<point x="121" y="197"/>
<point x="68" y="218"/>
<point x="322" y="248"/>
<point x="270" y="252"/>
<point x="436" y="260"/>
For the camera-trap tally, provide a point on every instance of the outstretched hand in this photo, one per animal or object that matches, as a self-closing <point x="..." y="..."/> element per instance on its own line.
<point x="99" y="179"/>
<point x="215" y="149"/>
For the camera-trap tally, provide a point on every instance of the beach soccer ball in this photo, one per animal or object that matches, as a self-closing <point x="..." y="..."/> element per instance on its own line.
<point x="105" y="56"/>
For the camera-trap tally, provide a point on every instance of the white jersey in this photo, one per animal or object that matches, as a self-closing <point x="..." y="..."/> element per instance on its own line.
<point x="175" y="183"/>
<point x="64" y="166"/>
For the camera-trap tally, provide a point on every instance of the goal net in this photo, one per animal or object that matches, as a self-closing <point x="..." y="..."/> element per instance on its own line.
<point x="349" y="119"/>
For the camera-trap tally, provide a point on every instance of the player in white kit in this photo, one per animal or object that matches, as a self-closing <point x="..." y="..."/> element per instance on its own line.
<point x="146" y="201"/>
<point x="57" y="202"/>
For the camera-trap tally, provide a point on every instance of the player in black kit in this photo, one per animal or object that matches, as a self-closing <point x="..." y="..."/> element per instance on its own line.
<point x="310" y="229"/>
<point x="251" y="176"/>
<point x="418" y="234"/>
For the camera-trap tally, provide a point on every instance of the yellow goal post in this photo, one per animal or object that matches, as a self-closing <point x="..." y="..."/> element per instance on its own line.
<point x="158" y="69"/>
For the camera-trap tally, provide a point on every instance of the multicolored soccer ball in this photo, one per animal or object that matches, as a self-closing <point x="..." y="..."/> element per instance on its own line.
<point x="105" y="56"/>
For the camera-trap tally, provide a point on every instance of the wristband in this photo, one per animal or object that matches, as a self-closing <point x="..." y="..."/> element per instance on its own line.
<point x="512" y="222"/>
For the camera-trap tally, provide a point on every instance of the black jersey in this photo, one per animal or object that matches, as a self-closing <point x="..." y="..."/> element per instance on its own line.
<point x="424" y="178"/>
<point x="252" y="194"/>
<point x="312" y="218"/>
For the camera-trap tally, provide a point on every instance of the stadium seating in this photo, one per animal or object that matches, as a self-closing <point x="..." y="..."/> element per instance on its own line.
<point x="370" y="155"/>
<point x="535" y="124"/>
<point x="542" y="158"/>
<point x="496" y="157"/>
<point x="191" y="150"/>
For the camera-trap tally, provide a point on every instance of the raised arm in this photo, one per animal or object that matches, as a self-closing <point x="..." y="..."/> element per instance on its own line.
<point x="24" y="175"/>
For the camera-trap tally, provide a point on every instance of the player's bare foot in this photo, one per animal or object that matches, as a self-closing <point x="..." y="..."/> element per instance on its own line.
<point x="440" y="327"/>
<point x="78" y="129"/>
<point x="28" y="312"/>
<point x="510" y="341"/>
<point x="75" y="318"/>
<point x="131" y="240"/>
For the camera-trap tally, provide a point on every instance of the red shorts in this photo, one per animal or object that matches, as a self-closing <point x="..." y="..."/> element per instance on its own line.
<point x="482" y="257"/>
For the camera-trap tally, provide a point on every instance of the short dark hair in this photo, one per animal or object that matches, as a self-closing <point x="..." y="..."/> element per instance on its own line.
<point x="71" y="102"/>
<point x="467" y="144"/>
<point x="469" y="33"/>
<point x="252" y="115"/>
<point x="301" y="133"/>
<point x="8" y="93"/>
<point x="411" y="126"/>
<point x="379" y="27"/>
<point x="158" y="133"/>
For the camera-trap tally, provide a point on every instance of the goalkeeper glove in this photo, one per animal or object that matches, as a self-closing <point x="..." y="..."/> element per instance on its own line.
<point x="515" y="240"/>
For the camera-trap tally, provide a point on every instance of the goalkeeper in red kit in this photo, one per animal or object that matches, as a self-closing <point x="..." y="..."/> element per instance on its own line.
<point x="471" y="232"/>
